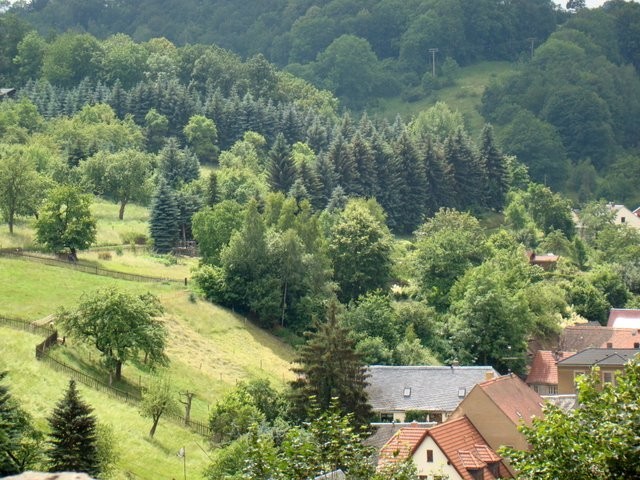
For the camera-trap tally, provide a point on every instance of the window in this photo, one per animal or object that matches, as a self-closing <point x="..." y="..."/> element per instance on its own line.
<point x="622" y="219"/>
<point x="430" y="456"/>
<point x="607" y="377"/>
<point x="494" y="468"/>
<point x="386" y="417"/>
<point x="407" y="391"/>
<point x="553" y="389"/>
<point x="477" y="474"/>
<point x="462" y="392"/>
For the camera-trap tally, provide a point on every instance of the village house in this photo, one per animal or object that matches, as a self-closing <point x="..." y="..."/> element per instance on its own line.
<point x="453" y="450"/>
<point x="610" y="361"/>
<point x="624" y="318"/>
<point x="624" y="216"/>
<point x="426" y="393"/>
<point x="543" y="374"/>
<point x="580" y="337"/>
<point x="497" y="407"/>
<point x="7" y="93"/>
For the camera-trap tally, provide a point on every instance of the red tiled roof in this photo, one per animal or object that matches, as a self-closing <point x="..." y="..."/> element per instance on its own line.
<point x="516" y="400"/>
<point x="458" y="440"/>
<point x="544" y="370"/>
<point x="470" y="461"/>
<point x="465" y="448"/>
<point x="403" y="443"/>
<point x="624" y="318"/>
<point x="581" y="337"/>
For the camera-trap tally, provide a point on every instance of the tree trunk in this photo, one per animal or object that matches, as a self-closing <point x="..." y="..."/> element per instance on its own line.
<point x="284" y="303"/>
<point x="123" y="204"/>
<point x="118" y="370"/>
<point x="11" y="223"/>
<point x="187" y="406"/>
<point x="156" y="419"/>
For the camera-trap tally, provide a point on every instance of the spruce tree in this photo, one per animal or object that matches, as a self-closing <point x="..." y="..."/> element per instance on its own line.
<point x="439" y="180"/>
<point x="10" y="431"/>
<point x="73" y="436"/>
<point x="413" y="187"/>
<point x="165" y="219"/>
<point x="389" y="179"/>
<point x="282" y="170"/>
<point x="366" y="184"/>
<point x="330" y="368"/>
<point x="469" y="171"/>
<point x="497" y="170"/>
<point x="344" y="164"/>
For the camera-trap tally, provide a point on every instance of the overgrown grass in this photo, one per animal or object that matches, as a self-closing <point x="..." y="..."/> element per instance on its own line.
<point x="210" y="348"/>
<point x="138" y="261"/>
<point x="37" y="388"/>
<point x="110" y="229"/>
<point x="465" y="96"/>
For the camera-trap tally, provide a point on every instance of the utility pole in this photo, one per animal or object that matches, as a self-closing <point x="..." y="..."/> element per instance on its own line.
<point x="531" y="39"/>
<point x="433" y="61"/>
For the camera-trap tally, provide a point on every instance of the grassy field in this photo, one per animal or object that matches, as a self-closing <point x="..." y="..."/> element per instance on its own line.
<point x="110" y="230"/>
<point x="38" y="388"/>
<point x="210" y="348"/>
<point x="465" y="96"/>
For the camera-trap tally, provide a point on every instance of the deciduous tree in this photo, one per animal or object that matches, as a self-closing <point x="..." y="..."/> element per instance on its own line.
<point x="65" y="221"/>
<point x="119" y="325"/>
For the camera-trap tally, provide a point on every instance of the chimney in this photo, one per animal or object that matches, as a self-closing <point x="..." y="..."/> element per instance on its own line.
<point x="488" y="375"/>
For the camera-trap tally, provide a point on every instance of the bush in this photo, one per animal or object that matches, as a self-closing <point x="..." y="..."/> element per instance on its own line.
<point x="104" y="255"/>
<point x="134" y="238"/>
<point x="210" y="280"/>
<point x="119" y="251"/>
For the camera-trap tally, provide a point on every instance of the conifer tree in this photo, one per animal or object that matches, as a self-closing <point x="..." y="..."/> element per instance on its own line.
<point x="282" y="170"/>
<point x="439" y="180"/>
<point x="344" y="165"/>
<point x="389" y="179"/>
<point x="164" y="219"/>
<point x="328" y="178"/>
<point x="469" y="171"/>
<point x="497" y="169"/>
<point x="413" y="187"/>
<point x="308" y="175"/>
<point x="73" y="436"/>
<point x="366" y="184"/>
<point x="329" y="368"/>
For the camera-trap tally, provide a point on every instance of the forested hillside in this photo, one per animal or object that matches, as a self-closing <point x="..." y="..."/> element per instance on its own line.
<point x="367" y="240"/>
<point x="357" y="48"/>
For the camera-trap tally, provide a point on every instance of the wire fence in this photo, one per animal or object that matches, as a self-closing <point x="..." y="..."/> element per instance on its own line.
<point x="132" y="398"/>
<point x="92" y="269"/>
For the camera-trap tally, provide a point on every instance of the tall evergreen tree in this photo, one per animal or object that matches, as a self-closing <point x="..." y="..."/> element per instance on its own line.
<point x="413" y="186"/>
<point x="439" y="179"/>
<point x="389" y="179"/>
<point x="328" y="178"/>
<point x="469" y="171"/>
<point x="310" y="179"/>
<point x="497" y="169"/>
<point x="330" y="369"/>
<point x="177" y="166"/>
<point x="344" y="165"/>
<point x="73" y="436"/>
<point x="282" y="170"/>
<point x="165" y="219"/>
<point x="366" y="184"/>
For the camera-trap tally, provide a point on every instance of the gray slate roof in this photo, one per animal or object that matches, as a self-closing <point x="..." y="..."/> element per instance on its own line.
<point x="600" y="356"/>
<point x="335" y="475"/>
<point x="432" y="388"/>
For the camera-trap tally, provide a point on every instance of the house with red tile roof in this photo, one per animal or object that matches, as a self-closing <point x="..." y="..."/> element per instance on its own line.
<point x="547" y="261"/>
<point x="497" y="407"/>
<point x="624" y="318"/>
<point x="454" y="450"/>
<point x="580" y="337"/>
<point x="543" y="375"/>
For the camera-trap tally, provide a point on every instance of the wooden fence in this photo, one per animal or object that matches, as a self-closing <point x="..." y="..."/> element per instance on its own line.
<point x="92" y="269"/>
<point x="132" y="398"/>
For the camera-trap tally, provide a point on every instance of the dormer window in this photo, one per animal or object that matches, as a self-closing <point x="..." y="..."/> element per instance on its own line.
<point x="462" y="392"/>
<point x="407" y="391"/>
